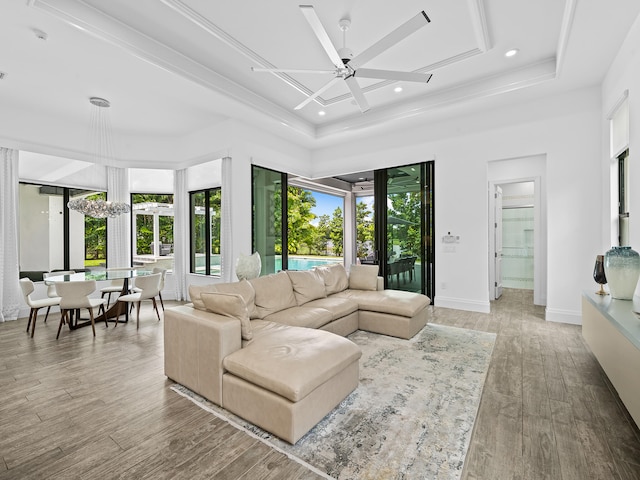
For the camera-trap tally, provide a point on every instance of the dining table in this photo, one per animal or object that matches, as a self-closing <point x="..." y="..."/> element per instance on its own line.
<point x="116" y="309"/>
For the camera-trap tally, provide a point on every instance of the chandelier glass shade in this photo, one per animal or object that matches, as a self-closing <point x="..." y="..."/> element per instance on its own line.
<point x="98" y="208"/>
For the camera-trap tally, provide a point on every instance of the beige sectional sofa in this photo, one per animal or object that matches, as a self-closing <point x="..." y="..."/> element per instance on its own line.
<point x="272" y="349"/>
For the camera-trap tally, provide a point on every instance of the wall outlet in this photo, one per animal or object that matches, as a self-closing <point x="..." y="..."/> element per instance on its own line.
<point x="443" y="285"/>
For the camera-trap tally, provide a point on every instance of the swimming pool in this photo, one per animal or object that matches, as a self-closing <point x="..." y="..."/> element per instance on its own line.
<point x="306" y="263"/>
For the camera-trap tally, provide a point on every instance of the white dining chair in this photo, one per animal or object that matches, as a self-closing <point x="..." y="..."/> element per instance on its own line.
<point x="148" y="287"/>
<point x="163" y="272"/>
<point x="75" y="296"/>
<point x="116" y="285"/>
<point x="28" y="288"/>
<point x="51" y="286"/>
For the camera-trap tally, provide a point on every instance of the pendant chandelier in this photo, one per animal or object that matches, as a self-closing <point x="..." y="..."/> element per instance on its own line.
<point x="98" y="208"/>
<point x="101" y="131"/>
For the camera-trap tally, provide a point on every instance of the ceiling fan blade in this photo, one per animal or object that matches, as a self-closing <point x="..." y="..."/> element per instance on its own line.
<point x="400" y="33"/>
<point x="289" y="70"/>
<point x="321" y="33"/>
<point x="317" y="93"/>
<point x="356" y="91"/>
<point x="393" y="75"/>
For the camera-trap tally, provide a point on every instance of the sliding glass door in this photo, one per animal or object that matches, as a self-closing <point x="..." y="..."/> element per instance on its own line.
<point x="269" y="235"/>
<point x="404" y="218"/>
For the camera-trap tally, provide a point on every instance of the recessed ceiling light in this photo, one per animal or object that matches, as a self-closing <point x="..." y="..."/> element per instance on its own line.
<point x="322" y="113"/>
<point x="40" y="35"/>
<point x="512" y="52"/>
<point x="398" y="89"/>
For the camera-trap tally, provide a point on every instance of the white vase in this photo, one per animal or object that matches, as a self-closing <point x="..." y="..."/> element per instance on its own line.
<point x="622" y="269"/>
<point x="248" y="266"/>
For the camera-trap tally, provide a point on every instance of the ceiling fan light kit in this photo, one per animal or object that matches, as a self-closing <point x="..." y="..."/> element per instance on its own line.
<point x="347" y="66"/>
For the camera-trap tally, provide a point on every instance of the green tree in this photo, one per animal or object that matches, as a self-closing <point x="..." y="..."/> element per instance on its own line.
<point x="95" y="234"/>
<point x="301" y="232"/>
<point x="406" y="206"/>
<point x="364" y="229"/>
<point x="322" y="235"/>
<point x="336" y="231"/>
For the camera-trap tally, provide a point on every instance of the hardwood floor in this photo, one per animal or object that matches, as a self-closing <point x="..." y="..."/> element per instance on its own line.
<point x="101" y="408"/>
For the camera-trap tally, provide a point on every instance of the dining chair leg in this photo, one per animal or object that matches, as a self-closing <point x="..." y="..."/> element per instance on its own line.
<point x="155" y="305"/>
<point x="47" y="314"/>
<point x="33" y="325"/>
<point x="104" y="315"/>
<point x="161" y="302"/>
<point x="137" y="315"/>
<point x="30" y="317"/>
<point x="63" y="314"/>
<point x="93" y="324"/>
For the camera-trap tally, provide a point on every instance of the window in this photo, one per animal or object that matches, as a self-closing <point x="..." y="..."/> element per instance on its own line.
<point x="52" y="237"/>
<point x="152" y="216"/>
<point x="205" y="206"/>
<point x="623" y="198"/>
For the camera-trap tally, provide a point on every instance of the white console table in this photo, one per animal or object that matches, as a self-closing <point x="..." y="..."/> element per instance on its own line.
<point x="612" y="331"/>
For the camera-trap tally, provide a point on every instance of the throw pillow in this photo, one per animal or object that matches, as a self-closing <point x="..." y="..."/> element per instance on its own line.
<point x="195" y="292"/>
<point x="363" y="277"/>
<point x="230" y="305"/>
<point x="307" y="285"/>
<point x="335" y="278"/>
<point x="245" y="290"/>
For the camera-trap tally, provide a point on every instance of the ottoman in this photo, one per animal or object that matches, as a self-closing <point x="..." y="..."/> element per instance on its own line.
<point x="288" y="378"/>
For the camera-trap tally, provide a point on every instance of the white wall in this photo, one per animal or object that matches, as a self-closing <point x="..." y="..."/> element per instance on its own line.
<point x="623" y="75"/>
<point x="565" y="128"/>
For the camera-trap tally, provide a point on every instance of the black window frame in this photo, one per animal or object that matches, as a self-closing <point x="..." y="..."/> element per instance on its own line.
<point x="207" y="226"/>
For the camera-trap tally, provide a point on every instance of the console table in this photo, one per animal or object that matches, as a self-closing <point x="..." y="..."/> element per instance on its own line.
<point x="612" y="330"/>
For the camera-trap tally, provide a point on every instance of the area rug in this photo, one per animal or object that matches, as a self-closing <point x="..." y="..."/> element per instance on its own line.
<point x="411" y="416"/>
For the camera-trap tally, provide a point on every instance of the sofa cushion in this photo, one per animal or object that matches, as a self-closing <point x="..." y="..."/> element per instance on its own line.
<point x="245" y="290"/>
<point x="307" y="285"/>
<point x="339" y="307"/>
<point x="292" y="361"/>
<point x="363" y="277"/>
<point x="273" y="293"/>
<point x="395" y="302"/>
<point x="335" y="277"/>
<point x="303" y="316"/>
<point x="230" y="305"/>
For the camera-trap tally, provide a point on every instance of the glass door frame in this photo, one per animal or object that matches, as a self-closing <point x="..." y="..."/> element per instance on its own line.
<point x="427" y="225"/>
<point x="283" y="179"/>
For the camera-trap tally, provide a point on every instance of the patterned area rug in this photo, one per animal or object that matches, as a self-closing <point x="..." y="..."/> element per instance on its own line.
<point x="411" y="416"/>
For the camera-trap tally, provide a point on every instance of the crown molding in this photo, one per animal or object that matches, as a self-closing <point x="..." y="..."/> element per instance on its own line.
<point x="108" y="29"/>
<point x="565" y="32"/>
<point x="499" y="83"/>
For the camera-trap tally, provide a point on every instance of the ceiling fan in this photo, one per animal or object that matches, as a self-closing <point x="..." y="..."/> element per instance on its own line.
<point x="347" y="67"/>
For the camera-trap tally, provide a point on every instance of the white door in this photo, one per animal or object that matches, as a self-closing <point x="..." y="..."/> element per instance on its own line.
<point x="498" y="241"/>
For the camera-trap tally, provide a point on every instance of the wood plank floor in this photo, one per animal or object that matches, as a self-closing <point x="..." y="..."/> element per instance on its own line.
<point x="101" y="408"/>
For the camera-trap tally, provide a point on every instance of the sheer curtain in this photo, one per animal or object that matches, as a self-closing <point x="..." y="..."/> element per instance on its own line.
<point x="226" y="243"/>
<point x="10" y="294"/>
<point x="118" y="228"/>
<point x="180" y="233"/>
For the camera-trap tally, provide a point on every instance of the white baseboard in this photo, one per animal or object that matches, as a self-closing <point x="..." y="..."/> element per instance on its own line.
<point x="563" y="316"/>
<point x="462" y="304"/>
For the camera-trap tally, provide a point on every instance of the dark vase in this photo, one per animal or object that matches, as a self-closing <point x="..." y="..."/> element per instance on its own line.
<point x="598" y="274"/>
